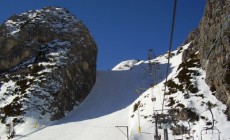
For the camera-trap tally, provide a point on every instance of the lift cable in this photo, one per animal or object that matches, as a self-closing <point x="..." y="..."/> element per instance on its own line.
<point x="170" y="49"/>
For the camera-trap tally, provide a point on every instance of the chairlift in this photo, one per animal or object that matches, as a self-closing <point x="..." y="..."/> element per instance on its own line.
<point x="211" y="129"/>
<point x="165" y="121"/>
<point x="212" y="132"/>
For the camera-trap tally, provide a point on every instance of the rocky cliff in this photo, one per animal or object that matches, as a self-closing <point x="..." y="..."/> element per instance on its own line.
<point x="212" y="41"/>
<point x="47" y="65"/>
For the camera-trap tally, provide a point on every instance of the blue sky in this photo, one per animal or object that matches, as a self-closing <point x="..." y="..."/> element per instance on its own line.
<point x="123" y="29"/>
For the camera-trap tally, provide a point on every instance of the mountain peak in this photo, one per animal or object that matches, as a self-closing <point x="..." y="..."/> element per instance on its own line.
<point x="60" y="19"/>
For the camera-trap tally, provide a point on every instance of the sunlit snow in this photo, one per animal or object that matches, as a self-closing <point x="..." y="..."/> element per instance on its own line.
<point x="112" y="100"/>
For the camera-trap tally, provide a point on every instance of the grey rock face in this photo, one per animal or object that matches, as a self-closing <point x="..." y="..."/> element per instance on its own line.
<point x="213" y="44"/>
<point x="47" y="64"/>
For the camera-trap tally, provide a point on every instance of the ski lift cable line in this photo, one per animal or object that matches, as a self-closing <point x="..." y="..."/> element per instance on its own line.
<point x="170" y="48"/>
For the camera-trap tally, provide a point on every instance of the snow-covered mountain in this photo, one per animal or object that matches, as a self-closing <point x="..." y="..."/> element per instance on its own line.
<point x="47" y="66"/>
<point x="132" y="96"/>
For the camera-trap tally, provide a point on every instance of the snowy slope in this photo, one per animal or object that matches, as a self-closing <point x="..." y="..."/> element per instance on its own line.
<point x="105" y="107"/>
<point x="113" y="99"/>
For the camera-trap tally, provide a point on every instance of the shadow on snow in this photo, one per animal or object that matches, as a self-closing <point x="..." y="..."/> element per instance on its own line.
<point x="113" y="91"/>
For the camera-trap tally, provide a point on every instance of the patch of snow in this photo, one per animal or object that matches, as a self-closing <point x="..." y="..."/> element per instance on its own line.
<point x="32" y="15"/>
<point x="7" y="89"/>
<point x="67" y="23"/>
<point x="125" y="65"/>
<point x="13" y="27"/>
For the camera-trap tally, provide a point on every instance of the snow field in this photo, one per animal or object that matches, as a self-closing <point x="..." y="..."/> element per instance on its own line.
<point x="112" y="100"/>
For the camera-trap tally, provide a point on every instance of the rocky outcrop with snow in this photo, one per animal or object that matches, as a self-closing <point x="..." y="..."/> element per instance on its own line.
<point x="195" y="110"/>
<point x="47" y="66"/>
<point x="212" y="40"/>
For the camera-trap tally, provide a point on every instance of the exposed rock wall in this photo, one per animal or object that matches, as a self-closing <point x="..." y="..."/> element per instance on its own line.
<point x="212" y="40"/>
<point x="47" y="64"/>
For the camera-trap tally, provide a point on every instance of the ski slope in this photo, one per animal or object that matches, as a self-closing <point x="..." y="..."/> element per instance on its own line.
<point x="107" y="106"/>
<point x="112" y="100"/>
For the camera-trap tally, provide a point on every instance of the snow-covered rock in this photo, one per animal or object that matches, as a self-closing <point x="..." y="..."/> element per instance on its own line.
<point x="47" y="66"/>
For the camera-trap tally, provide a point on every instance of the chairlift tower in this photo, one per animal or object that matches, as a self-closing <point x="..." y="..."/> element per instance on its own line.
<point x="150" y="57"/>
<point x="153" y="66"/>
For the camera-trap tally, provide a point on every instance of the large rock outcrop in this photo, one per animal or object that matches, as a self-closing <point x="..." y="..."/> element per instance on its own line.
<point x="212" y="40"/>
<point x="47" y="64"/>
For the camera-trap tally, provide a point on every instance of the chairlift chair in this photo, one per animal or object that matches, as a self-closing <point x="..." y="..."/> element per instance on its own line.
<point x="213" y="131"/>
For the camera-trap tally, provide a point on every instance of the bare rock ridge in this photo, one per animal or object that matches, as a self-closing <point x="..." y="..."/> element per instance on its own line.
<point x="212" y="40"/>
<point x="47" y="65"/>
